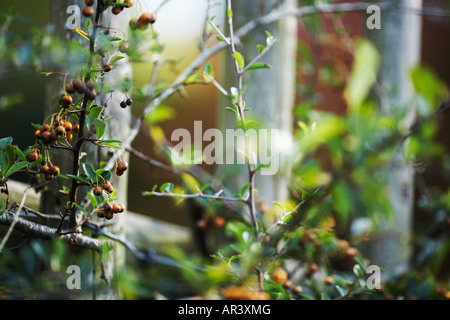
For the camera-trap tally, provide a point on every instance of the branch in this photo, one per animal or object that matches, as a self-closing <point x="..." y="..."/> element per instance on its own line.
<point x="40" y="231"/>
<point x="192" y="196"/>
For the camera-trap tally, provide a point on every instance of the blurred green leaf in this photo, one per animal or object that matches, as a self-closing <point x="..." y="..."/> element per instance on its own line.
<point x="364" y="74"/>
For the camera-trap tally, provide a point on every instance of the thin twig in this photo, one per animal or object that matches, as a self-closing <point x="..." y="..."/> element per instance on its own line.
<point x="14" y="221"/>
<point x="192" y="196"/>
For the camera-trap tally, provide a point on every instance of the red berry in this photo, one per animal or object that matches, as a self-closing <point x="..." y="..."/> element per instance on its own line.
<point x="98" y="191"/>
<point x="106" y="185"/>
<point x="88" y="11"/>
<point x="60" y="131"/>
<point x="108" y="207"/>
<point x="66" y="101"/>
<point x="101" y="213"/>
<point x="122" y="166"/>
<point x="46" y="137"/>
<point x="67" y="126"/>
<point x="76" y="128"/>
<point x="70" y="88"/>
<point x="54" y="170"/>
<point x="147" y="18"/>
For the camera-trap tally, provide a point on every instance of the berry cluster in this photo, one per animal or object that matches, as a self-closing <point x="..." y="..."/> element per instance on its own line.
<point x="109" y="210"/>
<point x="60" y="128"/>
<point x="118" y="9"/>
<point x="49" y="172"/>
<point x="143" y="22"/>
<point x="122" y="166"/>
<point x="78" y="85"/>
<point x="126" y="103"/>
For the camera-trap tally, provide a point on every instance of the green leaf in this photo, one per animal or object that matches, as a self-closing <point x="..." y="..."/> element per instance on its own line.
<point x="233" y="111"/>
<point x="94" y="113"/>
<point x="81" y="209"/>
<point x="87" y="24"/>
<point x="166" y="187"/>
<point x="10" y="154"/>
<point x="77" y="178"/>
<point x="102" y="175"/>
<point x="260" y="48"/>
<point x="5" y="141"/>
<point x="341" y="291"/>
<point x="208" y="69"/>
<point x="364" y="74"/>
<point x="20" y="154"/>
<point x="4" y="164"/>
<point x="160" y="114"/>
<point x="110" y="141"/>
<point x="229" y="13"/>
<point x="259" y="66"/>
<point x="100" y="127"/>
<point x="89" y="171"/>
<point x="191" y="79"/>
<point x="270" y="38"/>
<point x="111" y="145"/>
<point x="16" y="167"/>
<point x="239" y="59"/>
<point x="244" y="189"/>
<point x="429" y="86"/>
<point x="93" y="200"/>
<point x="117" y="58"/>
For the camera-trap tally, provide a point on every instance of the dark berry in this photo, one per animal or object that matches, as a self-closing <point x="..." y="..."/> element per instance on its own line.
<point x="98" y="191"/>
<point x="106" y="185"/>
<point x="60" y="131"/>
<point x="70" y="88"/>
<point x="76" y="128"/>
<point x="122" y="166"/>
<point x="123" y="104"/>
<point x="129" y="102"/>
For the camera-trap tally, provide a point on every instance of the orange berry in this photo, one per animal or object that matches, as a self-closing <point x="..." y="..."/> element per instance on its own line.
<point x="280" y="276"/>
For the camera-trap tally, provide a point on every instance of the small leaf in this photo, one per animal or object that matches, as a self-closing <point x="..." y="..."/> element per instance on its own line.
<point x="77" y="178"/>
<point x="5" y="141"/>
<point x="89" y="171"/>
<point x="341" y="291"/>
<point x="81" y="209"/>
<point x="102" y="175"/>
<point x="100" y="127"/>
<point x="233" y="111"/>
<point x="93" y="200"/>
<point x="117" y="59"/>
<point x="16" y="167"/>
<point x="244" y="189"/>
<point x="260" y="48"/>
<point x="94" y="113"/>
<point x="166" y="187"/>
<point x="208" y="69"/>
<point x="239" y="59"/>
<point x="259" y="66"/>
<point x="20" y="154"/>
<point x="192" y="79"/>
<point x="229" y="13"/>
